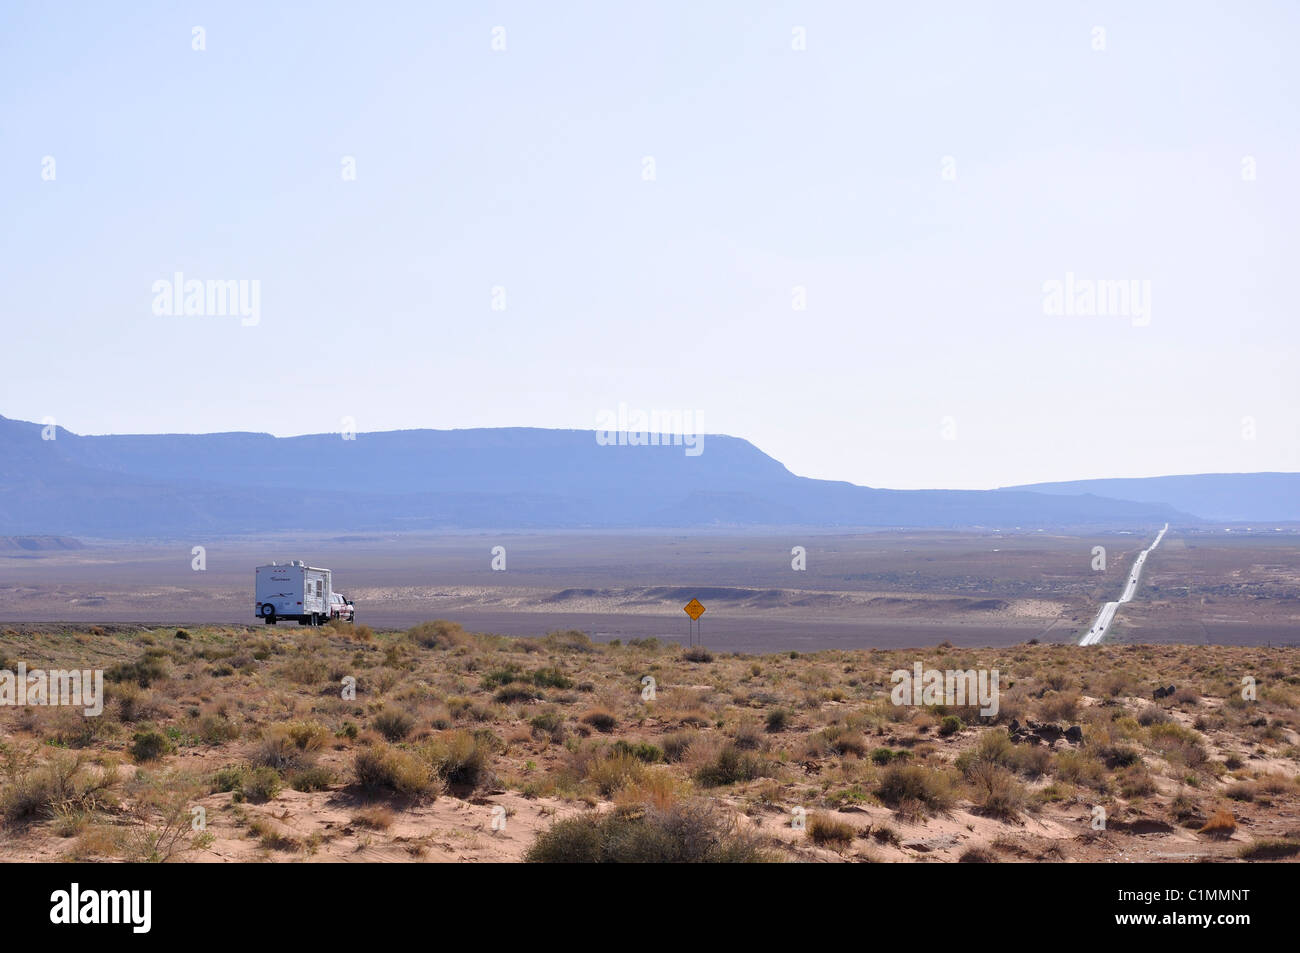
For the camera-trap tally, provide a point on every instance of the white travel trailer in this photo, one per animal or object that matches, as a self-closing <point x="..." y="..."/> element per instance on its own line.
<point x="293" y="592"/>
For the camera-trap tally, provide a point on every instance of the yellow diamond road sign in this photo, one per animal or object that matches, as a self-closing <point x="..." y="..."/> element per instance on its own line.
<point x="694" y="609"/>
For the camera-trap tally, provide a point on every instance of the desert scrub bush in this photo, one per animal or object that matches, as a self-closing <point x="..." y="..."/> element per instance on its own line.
<point x="393" y="723"/>
<point x="599" y="718"/>
<point x="511" y="672"/>
<point x="306" y="734"/>
<point x="1115" y="684"/>
<point x="1274" y="783"/>
<point x="374" y="818"/>
<point x="1269" y="849"/>
<point x="216" y="729"/>
<point x="548" y="724"/>
<point x="687" y="832"/>
<point x="160" y="807"/>
<point x="1117" y="756"/>
<point x="997" y="793"/>
<point x="655" y="788"/>
<point x="844" y="741"/>
<point x="69" y="728"/>
<point x="569" y="640"/>
<point x="643" y="751"/>
<point x="150" y="745"/>
<point x="150" y="667"/>
<point x="276" y="749"/>
<point x="913" y="786"/>
<point x="260" y="784"/>
<point x="826" y="830"/>
<point x="677" y="745"/>
<point x="1032" y="761"/>
<point x="1165" y="731"/>
<point x="383" y="768"/>
<point x="1057" y="681"/>
<point x="1080" y="767"/>
<point x="515" y="693"/>
<point x="304" y="670"/>
<point x="466" y="709"/>
<point x="440" y="634"/>
<point x="551" y="677"/>
<point x="698" y="654"/>
<point x="730" y="765"/>
<point x="131" y="702"/>
<point x="950" y="725"/>
<point x="271" y="836"/>
<point x="749" y="737"/>
<point x="1136" y="781"/>
<point x="1151" y="715"/>
<point x="778" y="719"/>
<point x="884" y="834"/>
<point x="314" y="778"/>
<point x="1241" y="791"/>
<point x="883" y="756"/>
<point x="462" y="759"/>
<point x="229" y="778"/>
<point x="66" y="783"/>
<point x="614" y="771"/>
<point x="992" y="747"/>
<point x="1059" y="706"/>
<point x="1179" y="745"/>
<point x="1220" y="824"/>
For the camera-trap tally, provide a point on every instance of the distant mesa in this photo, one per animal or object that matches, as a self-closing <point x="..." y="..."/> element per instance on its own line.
<point x="183" y="486"/>
<point x="39" y="543"/>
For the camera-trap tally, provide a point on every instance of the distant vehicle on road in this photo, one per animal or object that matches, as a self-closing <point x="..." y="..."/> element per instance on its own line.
<point x="341" y="608"/>
<point x="296" y="592"/>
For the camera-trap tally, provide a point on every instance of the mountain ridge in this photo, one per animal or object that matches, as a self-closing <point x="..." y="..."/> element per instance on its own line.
<point x="489" y="478"/>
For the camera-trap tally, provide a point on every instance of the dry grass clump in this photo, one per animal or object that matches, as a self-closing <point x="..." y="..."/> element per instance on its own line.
<point x="1081" y="767"/>
<point x="916" y="790"/>
<point x="440" y="634"/>
<point x="829" y="831"/>
<point x="676" y="746"/>
<point x="614" y="771"/>
<point x="687" y="832"/>
<point x="599" y="718"/>
<point x="1059" y="706"/>
<point x="1269" y="849"/>
<point x="1220" y="824"/>
<point x="462" y="759"/>
<point x="65" y="784"/>
<point x="384" y="768"/>
<point x="377" y="818"/>
<point x="730" y="765"/>
<point x="997" y="792"/>
<point x="394" y="723"/>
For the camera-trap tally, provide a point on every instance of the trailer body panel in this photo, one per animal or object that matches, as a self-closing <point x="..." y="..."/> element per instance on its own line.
<point x="293" y="592"/>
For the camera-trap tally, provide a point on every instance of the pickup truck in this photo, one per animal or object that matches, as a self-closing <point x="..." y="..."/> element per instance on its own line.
<point x="341" y="608"/>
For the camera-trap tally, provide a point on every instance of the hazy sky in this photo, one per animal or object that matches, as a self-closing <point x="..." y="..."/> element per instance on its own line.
<point x="774" y="169"/>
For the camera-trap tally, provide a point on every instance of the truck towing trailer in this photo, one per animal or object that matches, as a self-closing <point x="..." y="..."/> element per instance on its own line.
<point x="294" y="592"/>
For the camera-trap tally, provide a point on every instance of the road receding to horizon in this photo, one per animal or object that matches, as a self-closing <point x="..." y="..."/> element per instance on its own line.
<point x="1101" y="625"/>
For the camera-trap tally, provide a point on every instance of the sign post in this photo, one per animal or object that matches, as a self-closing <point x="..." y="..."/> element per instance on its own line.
<point x="694" y="609"/>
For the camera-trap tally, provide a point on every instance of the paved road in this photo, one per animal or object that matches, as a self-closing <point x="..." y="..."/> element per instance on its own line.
<point x="1107" y="614"/>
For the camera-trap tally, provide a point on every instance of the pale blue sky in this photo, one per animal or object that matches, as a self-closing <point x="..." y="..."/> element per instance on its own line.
<point x="775" y="168"/>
